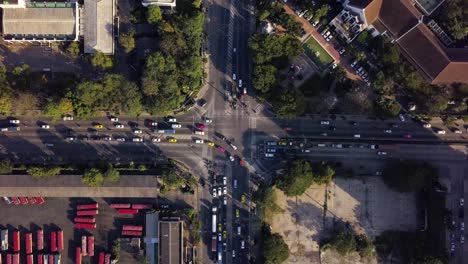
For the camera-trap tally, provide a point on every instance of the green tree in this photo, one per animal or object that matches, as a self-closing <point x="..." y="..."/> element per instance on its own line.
<point x="5" y="166"/>
<point x="197" y="3"/>
<point x="116" y="249"/>
<point x="6" y="103"/>
<point x="320" y="12"/>
<point x="388" y="107"/>
<point x="365" y="246"/>
<point x="127" y="41"/>
<point x="323" y="173"/>
<point x="43" y="172"/>
<point x="289" y="104"/>
<point x="343" y="242"/>
<point x="275" y="250"/>
<point x="407" y="176"/>
<point x="73" y="49"/>
<point x="267" y="202"/>
<point x="57" y="109"/>
<point x="453" y="16"/>
<point x="297" y="179"/>
<point x="154" y="14"/>
<point x="264" y="77"/>
<point x="99" y="60"/>
<point x="364" y="37"/>
<point x="93" y="177"/>
<point x="111" y="174"/>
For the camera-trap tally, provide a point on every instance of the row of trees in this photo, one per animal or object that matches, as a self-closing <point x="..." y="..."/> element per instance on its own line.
<point x="346" y="241"/>
<point x="274" y="249"/>
<point x="453" y="17"/>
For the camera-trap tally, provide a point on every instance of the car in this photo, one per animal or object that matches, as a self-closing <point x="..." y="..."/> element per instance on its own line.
<point x="334" y="65"/>
<point x="119" y="126"/>
<point x="357" y="135"/>
<point x="107" y="138"/>
<point x="220" y="237"/>
<point x="201" y="126"/>
<point x="67" y="118"/>
<point x="271" y="150"/>
<point x="214" y="192"/>
<point x="220" y="227"/>
<point x="407" y="136"/>
<point x="172" y="140"/>
<point x="70" y="138"/>
<point x="14" y="121"/>
<point x="462" y="239"/>
<point x="462" y="201"/>
<point x="234" y="77"/>
<point x="354" y="63"/>
<point x="324" y="122"/>
<point x="361" y="69"/>
<point x="315" y="23"/>
<point x="378" y="173"/>
<point x="394" y="125"/>
<point x="231" y="158"/>
<point x="224" y="234"/>
<point x="233" y="253"/>
<point x="234" y="50"/>
<point x="208" y="120"/>
<point x="245" y="91"/>
<point x="271" y="143"/>
<point x="353" y="123"/>
<point x="441" y="132"/>
<point x="239" y="229"/>
<point x="242" y="244"/>
<point x="243" y="198"/>
<point x="224" y="180"/>
<point x="172" y="119"/>
<point x="233" y="146"/>
<point x="324" y="134"/>
<point x="237" y="213"/>
<point x="114" y="119"/>
<point x="427" y="125"/>
<point x="241" y="162"/>
<point x="137" y="131"/>
<point x="329" y="38"/>
<point x="381" y="153"/>
<point x="235" y="184"/>
<point x="152" y="123"/>
<point x="155" y="140"/>
<point x="224" y="190"/>
<point x="210" y="143"/>
<point x="176" y="125"/>
<point x="45" y="126"/>
<point x="221" y="149"/>
<point x="457" y="131"/>
<point x="240" y="83"/>
<point x="220" y="191"/>
<point x="462" y="226"/>
<point x="387" y="131"/>
<point x="341" y="51"/>
<point x="225" y="200"/>
<point x="401" y="117"/>
<point x="120" y="139"/>
<point x="199" y="141"/>
<point x="269" y="155"/>
<point x="32" y="200"/>
<point x="98" y="126"/>
<point x="199" y="132"/>
<point x="7" y="200"/>
<point x="202" y="102"/>
<point x="137" y="139"/>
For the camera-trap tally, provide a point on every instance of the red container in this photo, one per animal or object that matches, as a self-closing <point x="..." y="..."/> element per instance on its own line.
<point x="78" y="255"/>
<point x="87" y="206"/>
<point x="101" y="258"/>
<point x="40" y="259"/>
<point x="132" y="228"/>
<point x="16" y="241"/>
<point x="85" y="220"/>
<point x="107" y="258"/>
<point x="32" y="200"/>
<point x="9" y="259"/>
<point x="127" y="211"/>
<point x="85" y="226"/>
<point x="28" y="242"/>
<point x="29" y="259"/>
<point x="142" y="206"/>
<point x="116" y="206"/>
<point x="40" y="239"/>
<point x="39" y="200"/>
<point x="131" y="233"/>
<point x="60" y="240"/>
<point x="51" y="258"/>
<point x="53" y="242"/>
<point x="16" y="258"/>
<point x="23" y="200"/>
<point x="91" y="246"/>
<point x="87" y="212"/>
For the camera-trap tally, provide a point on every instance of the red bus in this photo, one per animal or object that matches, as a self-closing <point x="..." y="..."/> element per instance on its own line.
<point x="101" y="258"/>
<point x="51" y="258"/>
<point x="53" y="242"/>
<point x="9" y="259"/>
<point x="132" y="228"/>
<point x="40" y="200"/>
<point x="87" y="206"/>
<point x="85" y="220"/>
<point x="117" y="206"/>
<point x="29" y="259"/>
<point x="107" y="258"/>
<point x="127" y="211"/>
<point x="84" y="247"/>
<point x="142" y="206"/>
<point x="131" y="233"/>
<point x="87" y="212"/>
<point x="78" y="255"/>
<point x="32" y="200"/>
<point x="28" y="242"/>
<point x="91" y="246"/>
<point x="40" y="259"/>
<point x="23" y="200"/>
<point x="16" y="241"/>
<point x="16" y="258"/>
<point x="85" y="226"/>
<point x="60" y="240"/>
<point x="40" y="239"/>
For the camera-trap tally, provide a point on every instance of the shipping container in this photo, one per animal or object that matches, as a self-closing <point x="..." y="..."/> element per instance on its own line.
<point x="88" y="220"/>
<point x="40" y="259"/>
<point x="53" y="242"/>
<point x="16" y="258"/>
<point x="87" y="206"/>
<point x="23" y="200"/>
<point x="40" y="239"/>
<point x="57" y="258"/>
<point x="91" y="246"/>
<point x="84" y="246"/>
<point x="4" y="234"/>
<point x="117" y="205"/>
<point x="78" y="255"/>
<point x="132" y="228"/>
<point x="85" y="226"/>
<point x="107" y="259"/>
<point x="51" y="259"/>
<point x="29" y="259"/>
<point x="28" y="242"/>
<point x="60" y="241"/>
<point x="131" y="233"/>
<point x="9" y="259"/>
<point x="127" y="211"/>
<point x="101" y="258"/>
<point x="87" y="212"/>
<point x="16" y="241"/>
<point x="40" y="200"/>
<point x="142" y="206"/>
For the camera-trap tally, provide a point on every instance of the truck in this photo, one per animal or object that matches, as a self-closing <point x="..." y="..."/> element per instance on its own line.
<point x="87" y="206"/>
<point x="91" y="246"/>
<point x="132" y="228"/>
<point x="78" y="255"/>
<point x="28" y="242"/>
<point x="4" y="235"/>
<point x="53" y="242"/>
<point x="213" y="220"/>
<point x="85" y="220"/>
<point x="117" y="205"/>
<point x="10" y="129"/>
<point x="87" y="212"/>
<point x="84" y="247"/>
<point x="60" y="241"/>
<point x="166" y="131"/>
<point x="213" y="243"/>
<point x="40" y="239"/>
<point x="16" y="241"/>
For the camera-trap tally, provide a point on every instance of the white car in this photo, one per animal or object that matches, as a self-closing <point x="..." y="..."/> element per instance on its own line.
<point x="156" y="140"/>
<point x="214" y="192"/>
<point x="114" y="119"/>
<point x="234" y="50"/>
<point x="70" y="138"/>
<point x="220" y="191"/>
<point x="225" y="200"/>
<point x="245" y="91"/>
<point x="402" y="118"/>
<point x="357" y="135"/>
<point x="224" y="190"/>
<point x="45" y="126"/>
<point x="121" y="139"/>
<point x="208" y="120"/>
<point x="68" y="118"/>
<point x="224" y="180"/>
<point x="137" y="139"/>
<point x="387" y="131"/>
<point x="231" y="158"/>
<point x="220" y="237"/>
<point x="427" y="125"/>
<point x="119" y="126"/>
<point x="235" y="184"/>
<point x="324" y="122"/>
<point x="107" y="138"/>
<point x="242" y="244"/>
<point x="462" y="226"/>
<point x="269" y="155"/>
<point x="199" y="132"/>
<point x="233" y="253"/>
<point x="341" y="51"/>
<point x="7" y="200"/>
<point x="176" y="125"/>
<point x="441" y="132"/>
<point x="240" y="83"/>
<point x="14" y="121"/>
<point x="457" y="131"/>
<point x="239" y="230"/>
<point x="462" y="201"/>
<point x="233" y="146"/>
<point x="172" y="119"/>
<point x="381" y="153"/>
<point x="199" y="141"/>
<point x="137" y="131"/>
<point x="234" y="76"/>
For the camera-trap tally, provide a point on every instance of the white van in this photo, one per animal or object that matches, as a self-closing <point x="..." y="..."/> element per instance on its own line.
<point x="199" y="141"/>
<point x="357" y="135"/>
<point x="239" y="230"/>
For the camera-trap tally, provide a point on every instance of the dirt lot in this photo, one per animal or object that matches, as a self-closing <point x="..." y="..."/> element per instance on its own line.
<point x="58" y="213"/>
<point x="366" y="203"/>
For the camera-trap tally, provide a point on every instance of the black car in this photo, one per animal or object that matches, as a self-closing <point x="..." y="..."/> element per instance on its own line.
<point x="202" y="102"/>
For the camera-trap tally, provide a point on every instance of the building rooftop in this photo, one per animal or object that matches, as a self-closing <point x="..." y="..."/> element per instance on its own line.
<point x="170" y="242"/>
<point x="98" y="29"/>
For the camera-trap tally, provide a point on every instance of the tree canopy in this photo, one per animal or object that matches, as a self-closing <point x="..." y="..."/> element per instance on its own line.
<point x="267" y="203"/>
<point x="274" y="250"/>
<point x="127" y="41"/>
<point x="154" y="14"/>
<point x="101" y="61"/>
<point x="43" y="172"/>
<point x="57" y="109"/>
<point x="453" y="17"/>
<point x="289" y="104"/>
<point x="388" y="107"/>
<point x="93" y="177"/>
<point x="407" y="176"/>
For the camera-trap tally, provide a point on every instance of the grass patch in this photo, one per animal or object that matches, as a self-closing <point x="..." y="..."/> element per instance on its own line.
<point x="312" y="48"/>
<point x="316" y="85"/>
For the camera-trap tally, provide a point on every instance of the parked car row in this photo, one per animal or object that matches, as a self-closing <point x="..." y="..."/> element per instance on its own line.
<point x="23" y="200"/>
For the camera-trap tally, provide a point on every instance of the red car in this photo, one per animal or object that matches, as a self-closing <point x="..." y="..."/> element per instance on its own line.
<point x="201" y="126"/>
<point x="221" y="149"/>
<point x="241" y="163"/>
